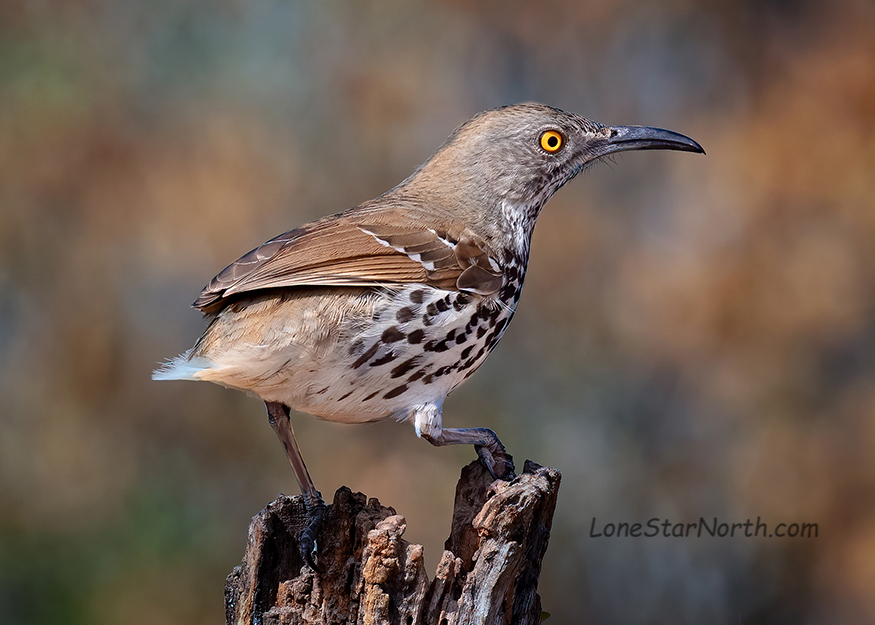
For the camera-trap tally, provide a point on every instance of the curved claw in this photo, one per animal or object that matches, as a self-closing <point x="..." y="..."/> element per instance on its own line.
<point x="497" y="461"/>
<point x="315" y="515"/>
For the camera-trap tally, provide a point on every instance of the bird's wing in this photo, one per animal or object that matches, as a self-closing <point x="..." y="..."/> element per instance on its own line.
<point x="342" y="252"/>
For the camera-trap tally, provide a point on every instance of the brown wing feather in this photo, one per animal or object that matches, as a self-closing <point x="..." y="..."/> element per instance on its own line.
<point x="337" y="251"/>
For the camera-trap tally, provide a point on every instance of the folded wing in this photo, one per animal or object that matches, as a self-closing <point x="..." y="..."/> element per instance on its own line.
<point x="337" y="251"/>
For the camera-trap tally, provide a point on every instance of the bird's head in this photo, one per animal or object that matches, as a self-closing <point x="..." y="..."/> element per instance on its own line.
<point x="501" y="166"/>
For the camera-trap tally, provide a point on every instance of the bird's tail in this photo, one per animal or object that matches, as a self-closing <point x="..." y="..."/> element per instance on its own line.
<point x="183" y="367"/>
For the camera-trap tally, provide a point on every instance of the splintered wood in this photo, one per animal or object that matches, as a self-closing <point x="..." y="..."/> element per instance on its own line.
<point x="488" y="573"/>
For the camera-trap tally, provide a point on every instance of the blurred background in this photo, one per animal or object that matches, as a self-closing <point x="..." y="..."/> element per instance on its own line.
<point x="696" y="337"/>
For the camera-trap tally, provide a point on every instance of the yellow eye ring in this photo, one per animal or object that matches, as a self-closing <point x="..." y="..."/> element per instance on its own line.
<point x="551" y="141"/>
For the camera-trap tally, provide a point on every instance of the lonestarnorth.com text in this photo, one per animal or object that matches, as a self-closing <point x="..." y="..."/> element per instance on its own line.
<point x="702" y="528"/>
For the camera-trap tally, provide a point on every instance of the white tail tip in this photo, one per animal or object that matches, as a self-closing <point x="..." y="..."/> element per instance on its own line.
<point x="182" y="368"/>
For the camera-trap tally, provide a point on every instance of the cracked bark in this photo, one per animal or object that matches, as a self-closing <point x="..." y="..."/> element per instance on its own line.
<point x="488" y="573"/>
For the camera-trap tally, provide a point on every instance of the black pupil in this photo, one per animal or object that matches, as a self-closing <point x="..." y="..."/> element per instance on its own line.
<point x="552" y="141"/>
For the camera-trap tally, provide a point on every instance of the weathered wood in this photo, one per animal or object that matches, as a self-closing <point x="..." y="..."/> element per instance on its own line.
<point x="488" y="573"/>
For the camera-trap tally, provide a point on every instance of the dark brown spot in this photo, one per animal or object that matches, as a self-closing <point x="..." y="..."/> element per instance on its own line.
<point x="492" y="340"/>
<point x="383" y="360"/>
<point x="366" y="356"/>
<point x="344" y="396"/>
<point x="404" y="367"/>
<point x="322" y="391"/>
<point x="416" y="296"/>
<point x="371" y="396"/>
<point x="494" y="335"/>
<point x="416" y="336"/>
<point x="391" y="335"/>
<point x="461" y="339"/>
<point x="442" y="305"/>
<point x="466" y="351"/>
<point x="481" y="331"/>
<point x="395" y="392"/>
<point x="462" y="299"/>
<point x="404" y="315"/>
<point x="451" y="335"/>
<point x="431" y="309"/>
<point x="417" y="375"/>
<point x="426" y="320"/>
<point x="441" y="347"/>
<point x="472" y="360"/>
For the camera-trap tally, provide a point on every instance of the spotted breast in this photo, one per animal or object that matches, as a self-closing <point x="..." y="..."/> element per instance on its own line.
<point x="391" y="350"/>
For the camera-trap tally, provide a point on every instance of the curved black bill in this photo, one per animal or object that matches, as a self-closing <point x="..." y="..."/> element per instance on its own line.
<point x="644" y="138"/>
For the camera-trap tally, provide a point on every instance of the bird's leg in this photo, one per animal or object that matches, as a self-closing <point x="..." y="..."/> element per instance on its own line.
<point x="499" y="463"/>
<point x="278" y="415"/>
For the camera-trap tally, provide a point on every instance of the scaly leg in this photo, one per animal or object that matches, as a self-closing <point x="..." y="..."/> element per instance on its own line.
<point x="499" y="463"/>
<point x="278" y="415"/>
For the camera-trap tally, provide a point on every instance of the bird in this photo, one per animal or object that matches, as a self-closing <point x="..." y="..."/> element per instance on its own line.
<point x="382" y="310"/>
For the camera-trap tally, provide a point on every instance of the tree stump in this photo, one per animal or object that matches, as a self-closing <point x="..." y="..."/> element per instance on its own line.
<point x="488" y="573"/>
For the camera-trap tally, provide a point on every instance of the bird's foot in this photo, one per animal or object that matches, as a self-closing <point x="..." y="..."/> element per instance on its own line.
<point x="315" y="514"/>
<point x="497" y="461"/>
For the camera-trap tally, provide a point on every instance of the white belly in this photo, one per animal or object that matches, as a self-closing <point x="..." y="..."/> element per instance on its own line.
<point x="350" y="355"/>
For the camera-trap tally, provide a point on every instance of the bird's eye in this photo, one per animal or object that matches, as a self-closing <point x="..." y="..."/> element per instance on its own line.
<point x="551" y="141"/>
